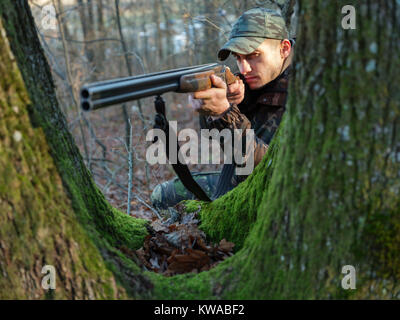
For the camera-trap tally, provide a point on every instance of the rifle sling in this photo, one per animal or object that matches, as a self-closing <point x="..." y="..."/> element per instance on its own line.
<point x="181" y="170"/>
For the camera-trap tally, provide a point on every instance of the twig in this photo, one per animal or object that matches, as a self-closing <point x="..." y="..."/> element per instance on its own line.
<point x="130" y="168"/>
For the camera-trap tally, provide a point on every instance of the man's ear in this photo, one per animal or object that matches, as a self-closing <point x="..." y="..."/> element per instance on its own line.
<point x="286" y="47"/>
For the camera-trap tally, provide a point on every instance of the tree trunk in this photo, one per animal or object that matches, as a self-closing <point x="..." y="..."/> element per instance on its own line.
<point x="51" y="211"/>
<point x="159" y="35"/>
<point x="169" y="33"/>
<point x="211" y="31"/>
<point x="326" y="194"/>
<point x="101" y="33"/>
<point x="86" y="19"/>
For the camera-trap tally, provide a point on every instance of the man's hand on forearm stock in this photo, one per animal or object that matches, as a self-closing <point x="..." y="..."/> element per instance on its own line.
<point x="236" y="92"/>
<point x="212" y="102"/>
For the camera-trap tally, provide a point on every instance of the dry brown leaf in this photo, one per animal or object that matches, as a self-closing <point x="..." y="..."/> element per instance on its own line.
<point x="226" y="246"/>
<point x="172" y="227"/>
<point x="158" y="226"/>
<point x="141" y="254"/>
<point x="181" y="247"/>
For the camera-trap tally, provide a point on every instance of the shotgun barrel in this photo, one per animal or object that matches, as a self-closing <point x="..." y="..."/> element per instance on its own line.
<point x="189" y="79"/>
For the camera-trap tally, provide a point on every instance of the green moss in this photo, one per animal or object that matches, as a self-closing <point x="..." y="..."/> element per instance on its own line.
<point x="232" y="215"/>
<point x="181" y="287"/>
<point x="132" y="231"/>
<point x="192" y="205"/>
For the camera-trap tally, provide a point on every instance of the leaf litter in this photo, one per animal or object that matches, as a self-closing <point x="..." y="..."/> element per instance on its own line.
<point x="176" y="245"/>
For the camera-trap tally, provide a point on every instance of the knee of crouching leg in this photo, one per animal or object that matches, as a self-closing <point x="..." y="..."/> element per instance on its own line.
<point x="157" y="198"/>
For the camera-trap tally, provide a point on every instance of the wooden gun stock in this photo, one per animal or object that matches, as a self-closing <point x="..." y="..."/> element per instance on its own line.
<point x="201" y="81"/>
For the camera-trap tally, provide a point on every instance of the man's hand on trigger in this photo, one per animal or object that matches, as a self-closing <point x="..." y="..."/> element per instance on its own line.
<point x="236" y="92"/>
<point x="214" y="100"/>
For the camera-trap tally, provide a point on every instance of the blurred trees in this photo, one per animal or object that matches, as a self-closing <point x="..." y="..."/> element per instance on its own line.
<point x="96" y="40"/>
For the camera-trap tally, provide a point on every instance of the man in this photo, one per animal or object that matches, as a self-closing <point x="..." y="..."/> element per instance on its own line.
<point x="259" y="42"/>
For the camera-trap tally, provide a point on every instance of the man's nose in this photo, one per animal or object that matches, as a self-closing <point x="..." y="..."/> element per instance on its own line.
<point x="244" y="67"/>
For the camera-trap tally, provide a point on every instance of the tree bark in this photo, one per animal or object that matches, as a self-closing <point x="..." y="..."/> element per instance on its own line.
<point x="211" y="30"/>
<point x="325" y="195"/>
<point x="167" y="15"/>
<point x="51" y="211"/>
<point x="101" y="33"/>
<point x="86" y="19"/>
<point x="159" y="35"/>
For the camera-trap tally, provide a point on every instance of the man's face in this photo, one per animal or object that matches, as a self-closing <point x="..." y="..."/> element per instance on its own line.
<point x="264" y="64"/>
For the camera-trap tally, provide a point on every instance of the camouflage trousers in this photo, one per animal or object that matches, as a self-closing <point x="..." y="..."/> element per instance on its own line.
<point x="169" y="193"/>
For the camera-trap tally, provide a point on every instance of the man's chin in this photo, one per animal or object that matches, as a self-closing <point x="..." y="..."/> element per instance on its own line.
<point x="254" y="85"/>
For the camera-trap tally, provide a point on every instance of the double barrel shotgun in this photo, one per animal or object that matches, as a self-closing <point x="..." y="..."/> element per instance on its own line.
<point x="184" y="80"/>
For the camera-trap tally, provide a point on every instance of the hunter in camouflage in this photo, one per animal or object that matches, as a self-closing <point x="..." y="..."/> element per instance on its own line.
<point x="260" y="108"/>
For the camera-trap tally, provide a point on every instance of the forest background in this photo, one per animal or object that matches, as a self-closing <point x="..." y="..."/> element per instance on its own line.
<point x="91" y="40"/>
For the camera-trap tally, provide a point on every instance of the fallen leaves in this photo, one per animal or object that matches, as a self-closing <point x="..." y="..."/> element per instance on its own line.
<point x="177" y="246"/>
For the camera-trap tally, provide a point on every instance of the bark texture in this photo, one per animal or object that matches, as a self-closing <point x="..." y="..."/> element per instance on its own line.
<point x="69" y="224"/>
<point x="325" y="195"/>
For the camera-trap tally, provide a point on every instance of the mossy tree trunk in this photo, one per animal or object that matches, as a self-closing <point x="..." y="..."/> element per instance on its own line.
<point x="50" y="209"/>
<point x="326" y="194"/>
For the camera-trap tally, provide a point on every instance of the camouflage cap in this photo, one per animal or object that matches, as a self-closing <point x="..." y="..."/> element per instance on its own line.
<point x="251" y="29"/>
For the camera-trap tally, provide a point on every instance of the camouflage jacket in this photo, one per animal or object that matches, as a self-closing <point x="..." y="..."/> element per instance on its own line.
<point x="261" y="110"/>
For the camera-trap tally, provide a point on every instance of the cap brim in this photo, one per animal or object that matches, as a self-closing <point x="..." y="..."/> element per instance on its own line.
<point x="242" y="45"/>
